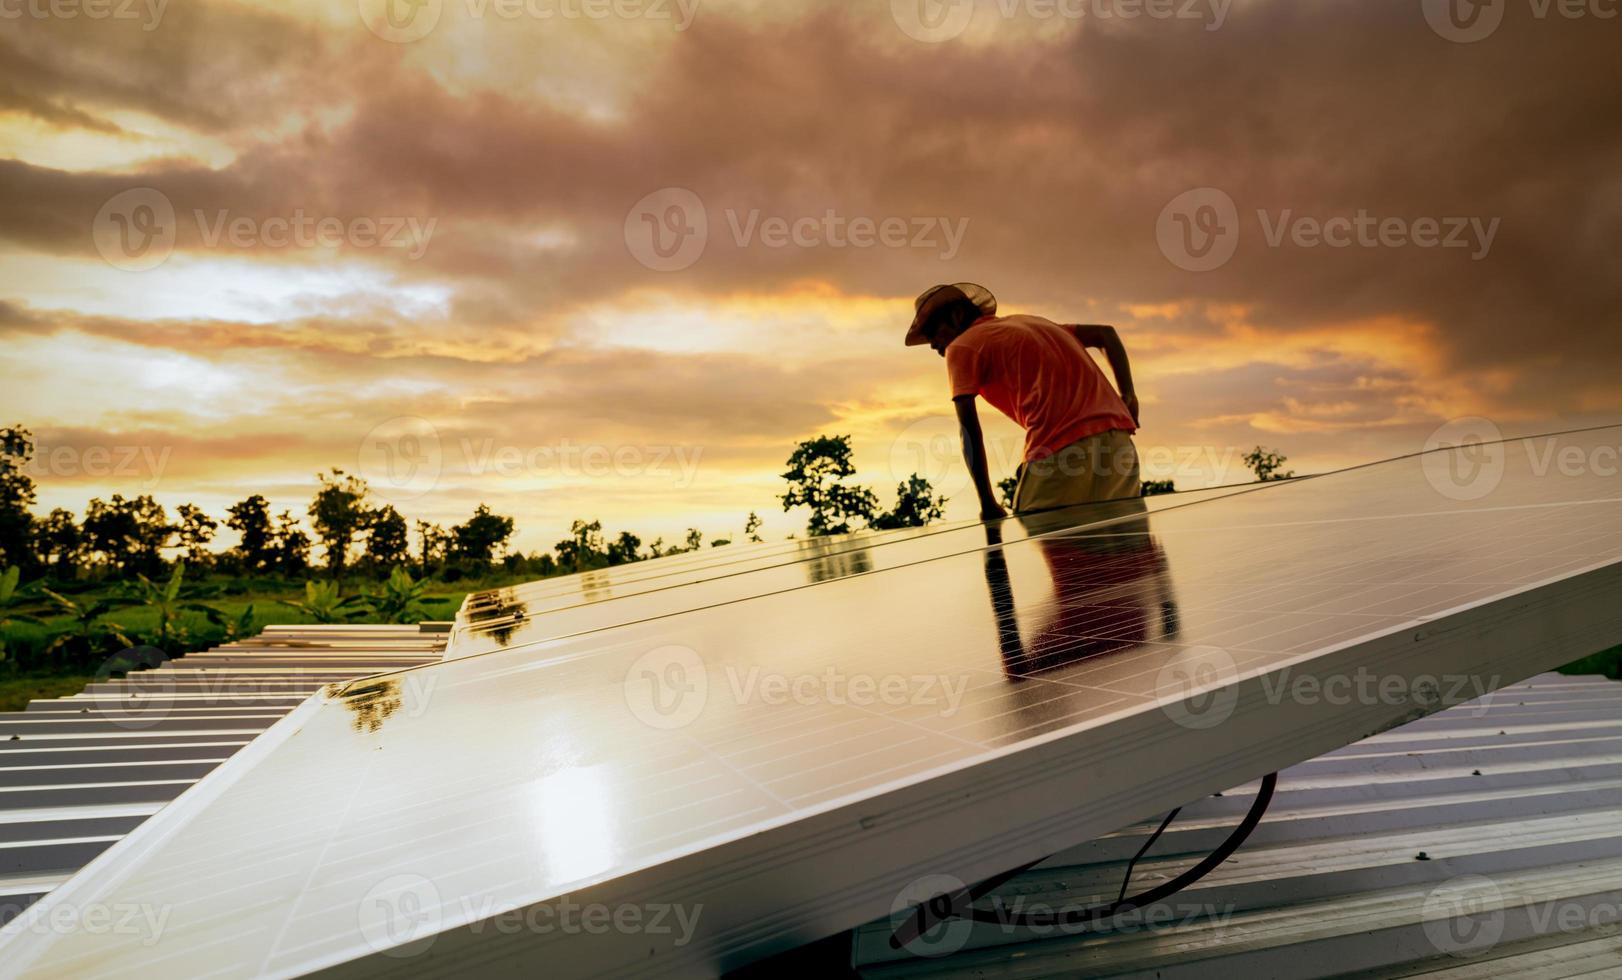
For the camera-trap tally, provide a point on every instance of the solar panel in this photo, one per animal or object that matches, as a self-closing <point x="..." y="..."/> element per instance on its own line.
<point x="693" y="790"/>
<point x="550" y="609"/>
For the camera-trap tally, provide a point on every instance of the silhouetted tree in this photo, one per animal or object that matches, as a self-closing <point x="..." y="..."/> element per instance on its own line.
<point x="433" y="545"/>
<point x="1005" y="489"/>
<point x="291" y="546"/>
<point x="387" y="539"/>
<point x="1153" y="488"/>
<point x="915" y="505"/>
<point x="129" y="534"/>
<point x="338" y="513"/>
<point x="59" y="542"/>
<point x="814" y="472"/>
<point x="583" y="548"/>
<point x="251" y="519"/>
<point x="1268" y="465"/>
<point x="152" y="535"/>
<point x="623" y="549"/>
<point x="196" y="529"/>
<point x="482" y="537"/>
<point x="16" y="496"/>
<point x="751" y="527"/>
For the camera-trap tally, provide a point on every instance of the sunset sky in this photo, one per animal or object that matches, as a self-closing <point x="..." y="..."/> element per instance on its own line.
<point x="612" y="258"/>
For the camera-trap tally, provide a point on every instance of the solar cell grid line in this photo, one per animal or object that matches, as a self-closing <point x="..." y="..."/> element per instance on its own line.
<point x="754" y="555"/>
<point x="594" y="771"/>
<point x="738" y="553"/>
<point x="651" y="573"/>
<point x="557" y="628"/>
<point x="823" y="555"/>
<point x="511" y="620"/>
<point x="613" y="580"/>
<point x="607" y="581"/>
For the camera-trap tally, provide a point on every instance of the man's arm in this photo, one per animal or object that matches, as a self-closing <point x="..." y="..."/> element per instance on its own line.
<point x="1106" y="338"/>
<point x="974" y="454"/>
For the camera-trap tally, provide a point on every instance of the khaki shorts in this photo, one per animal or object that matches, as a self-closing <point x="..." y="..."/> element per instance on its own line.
<point x="1098" y="467"/>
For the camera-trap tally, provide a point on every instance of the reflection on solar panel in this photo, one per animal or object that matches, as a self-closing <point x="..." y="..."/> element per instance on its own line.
<point x="630" y="593"/>
<point x="725" y="765"/>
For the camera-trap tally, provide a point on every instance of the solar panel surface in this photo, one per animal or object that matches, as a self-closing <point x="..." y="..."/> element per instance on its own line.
<point x="623" y="594"/>
<point x="775" y="767"/>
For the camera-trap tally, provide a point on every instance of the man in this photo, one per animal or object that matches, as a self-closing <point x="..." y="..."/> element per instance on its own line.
<point x="1078" y="430"/>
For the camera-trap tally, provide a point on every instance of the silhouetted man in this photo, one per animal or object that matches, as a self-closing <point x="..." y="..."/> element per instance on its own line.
<point x="1078" y="430"/>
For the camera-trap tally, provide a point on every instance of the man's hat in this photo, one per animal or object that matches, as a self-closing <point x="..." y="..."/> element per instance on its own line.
<point x="935" y="297"/>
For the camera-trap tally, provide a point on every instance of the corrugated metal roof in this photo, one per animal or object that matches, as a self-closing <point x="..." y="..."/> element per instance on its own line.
<point x="78" y="773"/>
<point x="1482" y="841"/>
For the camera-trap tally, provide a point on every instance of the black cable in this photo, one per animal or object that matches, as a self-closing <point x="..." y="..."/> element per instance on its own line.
<point x="959" y="904"/>
<point x="1127" y="878"/>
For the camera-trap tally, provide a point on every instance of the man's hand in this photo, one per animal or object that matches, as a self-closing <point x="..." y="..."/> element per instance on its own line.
<point x="1131" y="399"/>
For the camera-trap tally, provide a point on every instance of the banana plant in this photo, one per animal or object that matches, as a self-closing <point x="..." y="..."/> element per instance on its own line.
<point x="8" y="595"/>
<point x="322" y="604"/>
<point x="88" y="635"/>
<point x="401" y="598"/>
<point x="242" y="627"/>
<point x="169" y="602"/>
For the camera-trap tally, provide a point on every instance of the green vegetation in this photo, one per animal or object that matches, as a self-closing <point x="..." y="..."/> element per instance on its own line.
<point x="75" y="592"/>
<point x="1608" y="663"/>
<point x="168" y="604"/>
<point x="17" y="691"/>
<point x="1268" y="465"/>
<point x="400" y="600"/>
<point x="816" y="473"/>
<point x="323" y="604"/>
<point x="86" y="632"/>
<point x="74" y="631"/>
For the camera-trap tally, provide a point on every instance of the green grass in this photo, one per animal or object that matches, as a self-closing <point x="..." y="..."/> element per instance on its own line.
<point x="268" y="609"/>
<point x="16" y="692"/>
<point x="24" y="641"/>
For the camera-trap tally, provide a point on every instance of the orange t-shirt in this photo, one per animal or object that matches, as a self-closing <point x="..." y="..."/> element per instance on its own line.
<point x="1038" y="374"/>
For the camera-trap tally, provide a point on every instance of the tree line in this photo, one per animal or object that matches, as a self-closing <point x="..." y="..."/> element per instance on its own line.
<point x="121" y="537"/>
<point x="127" y="536"/>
